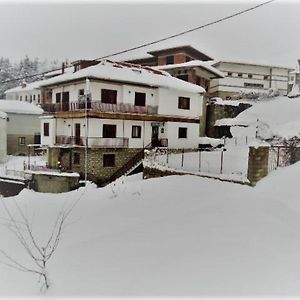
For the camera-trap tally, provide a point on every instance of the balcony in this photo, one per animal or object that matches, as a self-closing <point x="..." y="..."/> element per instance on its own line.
<point x="101" y="107"/>
<point x="96" y="142"/>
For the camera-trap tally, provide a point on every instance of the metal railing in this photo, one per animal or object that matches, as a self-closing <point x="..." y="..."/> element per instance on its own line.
<point x="117" y="142"/>
<point x="99" y="106"/>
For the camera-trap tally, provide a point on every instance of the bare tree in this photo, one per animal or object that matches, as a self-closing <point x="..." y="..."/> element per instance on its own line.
<point x="39" y="252"/>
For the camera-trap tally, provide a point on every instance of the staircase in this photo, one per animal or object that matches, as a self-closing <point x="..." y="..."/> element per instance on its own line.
<point x="129" y="166"/>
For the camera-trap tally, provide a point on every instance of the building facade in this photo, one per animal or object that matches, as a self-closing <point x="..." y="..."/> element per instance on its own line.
<point x="120" y="110"/>
<point x="22" y="125"/>
<point x="248" y="77"/>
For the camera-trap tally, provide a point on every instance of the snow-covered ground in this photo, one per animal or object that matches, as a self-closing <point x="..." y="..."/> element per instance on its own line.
<point x="172" y="236"/>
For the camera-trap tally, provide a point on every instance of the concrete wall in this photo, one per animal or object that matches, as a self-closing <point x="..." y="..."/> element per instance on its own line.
<point x="28" y="95"/>
<point x="46" y="183"/>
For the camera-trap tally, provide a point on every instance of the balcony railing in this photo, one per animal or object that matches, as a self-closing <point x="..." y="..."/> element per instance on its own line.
<point x="99" y="106"/>
<point x="117" y="142"/>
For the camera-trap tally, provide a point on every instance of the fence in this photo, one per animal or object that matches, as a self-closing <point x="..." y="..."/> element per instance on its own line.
<point x="231" y="163"/>
<point x="282" y="156"/>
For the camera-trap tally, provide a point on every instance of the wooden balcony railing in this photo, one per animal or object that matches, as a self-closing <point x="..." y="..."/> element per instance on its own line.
<point x="99" y="106"/>
<point x="117" y="142"/>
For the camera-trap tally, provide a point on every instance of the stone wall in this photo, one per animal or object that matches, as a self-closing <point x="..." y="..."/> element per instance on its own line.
<point x="216" y="112"/>
<point x="96" y="172"/>
<point x="257" y="164"/>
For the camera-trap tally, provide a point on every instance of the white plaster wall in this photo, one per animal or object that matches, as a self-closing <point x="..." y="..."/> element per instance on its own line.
<point x="168" y="103"/>
<point x="23" y="94"/>
<point x="23" y="124"/>
<point x="235" y="84"/>
<point x="48" y="140"/>
<point x="192" y="135"/>
<point x="3" y="139"/>
<point x="129" y="94"/>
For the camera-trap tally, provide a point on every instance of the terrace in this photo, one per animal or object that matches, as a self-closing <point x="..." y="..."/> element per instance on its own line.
<point x="100" y="106"/>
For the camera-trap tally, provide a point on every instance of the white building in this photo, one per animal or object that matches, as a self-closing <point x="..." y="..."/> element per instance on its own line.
<point x="3" y="137"/>
<point x="129" y="107"/>
<point x="22" y="125"/>
<point x="249" y="77"/>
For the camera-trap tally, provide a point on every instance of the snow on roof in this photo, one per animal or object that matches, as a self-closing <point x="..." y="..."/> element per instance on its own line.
<point x="220" y="101"/>
<point x="274" y="117"/>
<point x="59" y="72"/>
<point x="193" y="63"/>
<point x="127" y="73"/>
<point x="254" y="63"/>
<point x="19" y="107"/>
<point x="29" y="87"/>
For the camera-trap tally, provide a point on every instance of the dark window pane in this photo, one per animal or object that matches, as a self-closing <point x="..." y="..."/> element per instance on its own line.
<point x="109" y="131"/>
<point x="136" y="132"/>
<point x="184" y="77"/>
<point x="108" y="160"/>
<point x="183" y="102"/>
<point x="170" y="60"/>
<point x="140" y="99"/>
<point x="109" y="96"/>
<point x="58" y="97"/>
<point x="182" y="132"/>
<point x="46" y="129"/>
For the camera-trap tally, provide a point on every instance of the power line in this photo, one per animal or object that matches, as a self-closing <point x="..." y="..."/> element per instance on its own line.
<point x="187" y="31"/>
<point x="157" y="41"/>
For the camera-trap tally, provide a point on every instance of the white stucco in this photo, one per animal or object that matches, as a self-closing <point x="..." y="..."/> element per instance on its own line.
<point x="3" y="137"/>
<point x="268" y="76"/>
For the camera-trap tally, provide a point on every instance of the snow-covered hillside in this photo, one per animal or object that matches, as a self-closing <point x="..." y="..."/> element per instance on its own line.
<point x="172" y="236"/>
<point x="273" y="117"/>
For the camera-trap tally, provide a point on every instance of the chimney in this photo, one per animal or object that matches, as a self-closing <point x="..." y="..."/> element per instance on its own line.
<point x="24" y="83"/>
<point x="63" y="68"/>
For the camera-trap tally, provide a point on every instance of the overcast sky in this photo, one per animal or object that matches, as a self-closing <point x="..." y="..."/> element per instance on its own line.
<point x="269" y="34"/>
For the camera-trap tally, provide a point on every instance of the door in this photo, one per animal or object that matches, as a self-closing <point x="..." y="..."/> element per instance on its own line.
<point x="77" y="134"/>
<point x="65" y="101"/>
<point x="154" y="137"/>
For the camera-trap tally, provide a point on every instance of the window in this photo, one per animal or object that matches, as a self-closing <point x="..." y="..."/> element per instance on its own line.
<point x="39" y="98"/>
<point x="183" y="103"/>
<point x="109" y="131"/>
<point x="58" y="97"/>
<point x="108" y="160"/>
<point x="187" y="58"/>
<point x="250" y="76"/>
<point x="170" y="60"/>
<point x="76" y="158"/>
<point x="140" y="99"/>
<point x="33" y="97"/>
<point x="253" y="85"/>
<point x="109" y="96"/>
<point x="81" y="92"/>
<point x="229" y="73"/>
<point x="26" y="98"/>
<point x="22" y="140"/>
<point x="292" y="78"/>
<point x="30" y="98"/>
<point x="240" y="74"/>
<point x="20" y="98"/>
<point x="184" y="77"/>
<point x="266" y="77"/>
<point x="46" y="129"/>
<point x="136" y="132"/>
<point x="182" y="132"/>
